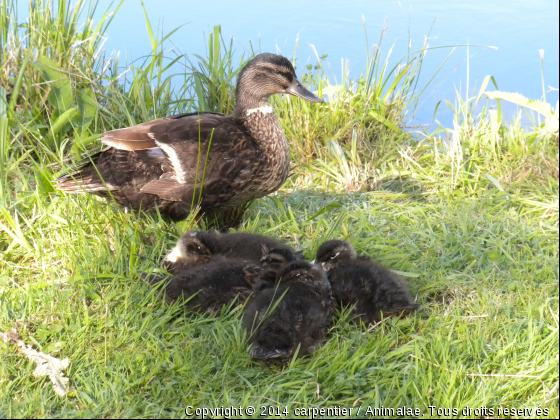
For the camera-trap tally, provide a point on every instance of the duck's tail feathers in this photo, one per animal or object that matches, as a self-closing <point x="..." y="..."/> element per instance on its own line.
<point x="81" y="178"/>
<point x="75" y="184"/>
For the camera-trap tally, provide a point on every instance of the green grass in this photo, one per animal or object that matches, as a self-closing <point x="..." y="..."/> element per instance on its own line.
<point x="467" y="214"/>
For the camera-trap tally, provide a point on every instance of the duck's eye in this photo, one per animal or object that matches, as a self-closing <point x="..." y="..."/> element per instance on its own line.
<point x="201" y="250"/>
<point x="333" y="256"/>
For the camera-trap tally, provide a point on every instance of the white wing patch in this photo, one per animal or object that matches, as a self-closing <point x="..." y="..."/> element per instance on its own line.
<point x="267" y="109"/>
<point x="180" y="173"/>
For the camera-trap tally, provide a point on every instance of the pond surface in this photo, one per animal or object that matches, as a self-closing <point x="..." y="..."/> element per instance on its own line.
<point x="518" y="28"/>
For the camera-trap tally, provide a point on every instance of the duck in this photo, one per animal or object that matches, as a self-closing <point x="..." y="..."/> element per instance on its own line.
<point x="200" y="247"/>
<point x="210" y="287"/>
<point x="372" y="289"/>
<point x="293" y="317"/>
<point x="216" y="161"/>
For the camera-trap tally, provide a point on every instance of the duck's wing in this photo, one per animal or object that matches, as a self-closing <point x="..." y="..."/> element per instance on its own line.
<point x="201" y="148"/>
<point x="171" y="159"/>
<point x="212" y="150"/>
<point x="138" y="137"/>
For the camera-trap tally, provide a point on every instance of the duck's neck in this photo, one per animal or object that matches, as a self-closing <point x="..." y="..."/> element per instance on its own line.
<point x="259" y="119"/>
<point x="246" y="111"/>
<point x="247" y="103"/>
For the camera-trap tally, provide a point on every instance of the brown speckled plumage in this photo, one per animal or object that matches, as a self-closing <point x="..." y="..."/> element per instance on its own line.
<point x="163" y="163"/>
<point x="276" y="151"/>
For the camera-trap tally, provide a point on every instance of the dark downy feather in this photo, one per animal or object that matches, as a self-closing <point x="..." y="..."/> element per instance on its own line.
<point x="199" y="247"/>
<point x="210" y="287"/>
<point x="289" y="317"/>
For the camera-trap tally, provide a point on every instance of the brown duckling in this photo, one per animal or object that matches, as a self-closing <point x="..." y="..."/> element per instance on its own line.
<point x="209" y="159"/>
<point x="295" y="314"/>
<point x="372" y="288"/>
<point x="199" y="247"/>
<point x="209" y="287"/>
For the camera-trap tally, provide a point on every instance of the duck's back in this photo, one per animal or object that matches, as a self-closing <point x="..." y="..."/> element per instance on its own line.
<point x="371" y="287"/>
<point x="213" y="285"/>
<point x="247" y="245"/>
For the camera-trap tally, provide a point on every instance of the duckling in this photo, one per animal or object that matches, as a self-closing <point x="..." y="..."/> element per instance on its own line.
<point x="198" y="247"/>
<point x="208" y="288"/>
<point x="294" y="314"/>
<point x="216" y="161"/>
<point x="372" y="288"/>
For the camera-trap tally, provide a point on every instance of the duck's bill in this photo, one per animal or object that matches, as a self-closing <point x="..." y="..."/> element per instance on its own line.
<point x="318" y="265"/>
<point x="297" y="89"/>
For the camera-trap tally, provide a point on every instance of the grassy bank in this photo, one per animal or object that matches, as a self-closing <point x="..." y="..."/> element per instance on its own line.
<point x="468" y="214"/>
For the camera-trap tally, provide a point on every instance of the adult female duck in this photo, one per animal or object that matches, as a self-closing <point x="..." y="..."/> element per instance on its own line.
<point x="213" y="160"/>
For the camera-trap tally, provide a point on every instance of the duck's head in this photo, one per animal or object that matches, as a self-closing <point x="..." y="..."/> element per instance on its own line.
<point x="304" y="273"/>
<point x="333" y="253"/>
<point x="276" y="257"/>
<point x="265" y="75"/>
<point x="191" y="246"/>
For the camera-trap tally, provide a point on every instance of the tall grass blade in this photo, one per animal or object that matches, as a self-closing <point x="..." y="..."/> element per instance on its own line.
<point x="4" y="143"/>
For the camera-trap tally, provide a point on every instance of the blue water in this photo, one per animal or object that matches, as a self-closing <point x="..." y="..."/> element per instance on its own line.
<point x="518" y="28"/>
